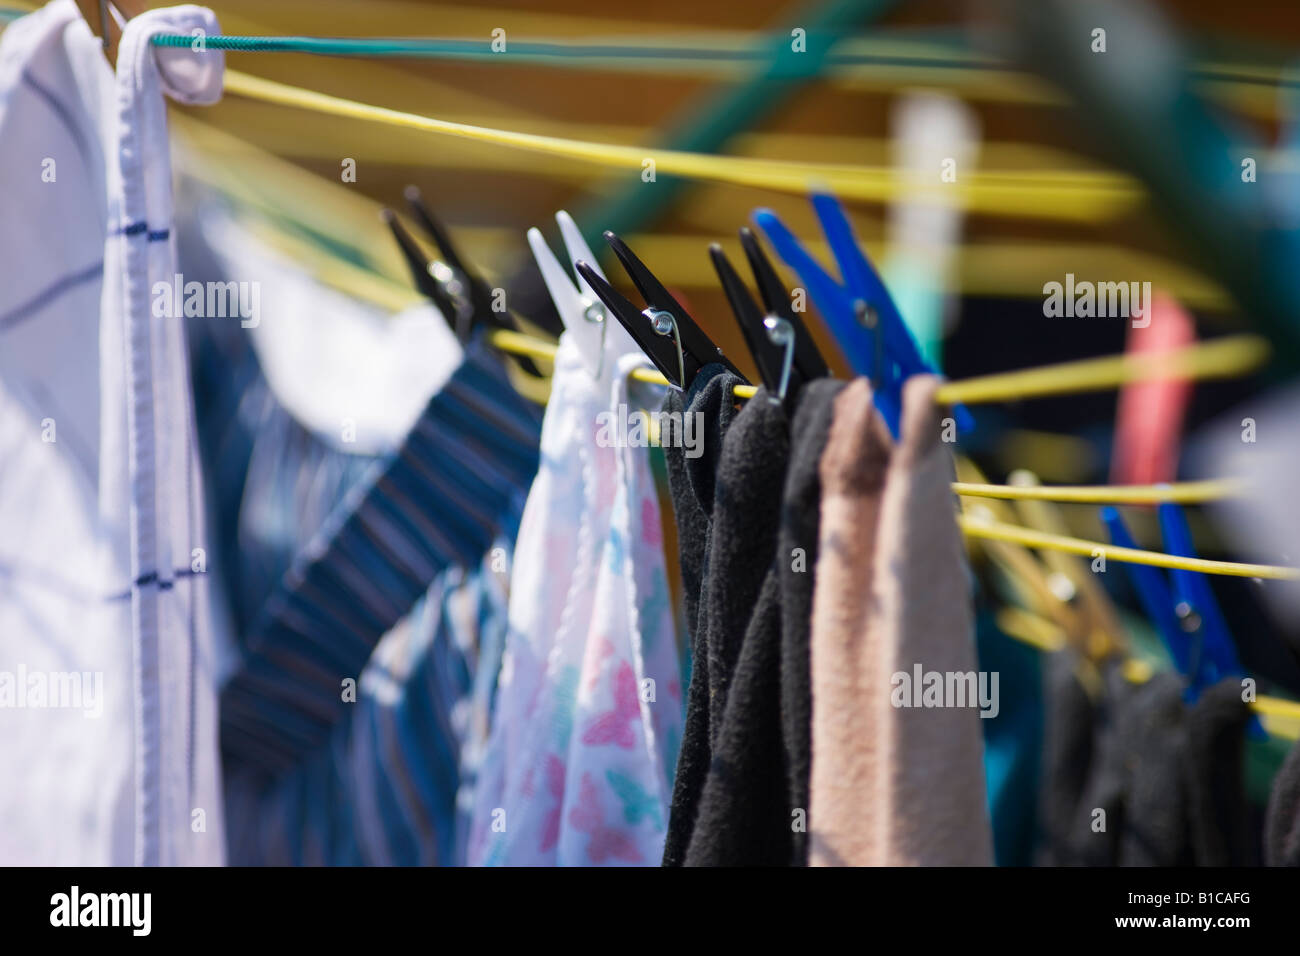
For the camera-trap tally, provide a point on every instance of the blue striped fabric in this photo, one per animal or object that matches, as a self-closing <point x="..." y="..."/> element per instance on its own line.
<point x="438" y="502"/>
<point x="394" y="784"/>
<point x="271" y="482"/>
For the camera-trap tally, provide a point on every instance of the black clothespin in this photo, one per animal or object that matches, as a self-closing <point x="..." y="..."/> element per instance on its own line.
<point x="460" y="293"/>
<point x="776" y="300"/>
<point x="770" y="339"/>
<point x="665" y="331"/>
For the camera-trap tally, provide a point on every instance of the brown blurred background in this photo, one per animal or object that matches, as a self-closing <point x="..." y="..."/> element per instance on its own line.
<point x="490" y="195"/>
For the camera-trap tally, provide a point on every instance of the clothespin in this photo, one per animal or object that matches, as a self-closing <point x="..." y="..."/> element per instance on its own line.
<point x="1149" y="415"/>
<point x="1154" y="594"/>
<point x="584" y="316"/>
<point x="776" y="300"/>
<point x="1103" y="634"/>
<point x="862" y="298"/>
<point x="783" y="350"/>
<point x="1030" y="581"/>
<point x="770" y="339"/>
<point x="1188" y="617"/>
<point x="665" y="331"/>
<point x="459" y="292"/>
<point x="103" y="18"/>
<point x="1195" y="604"/>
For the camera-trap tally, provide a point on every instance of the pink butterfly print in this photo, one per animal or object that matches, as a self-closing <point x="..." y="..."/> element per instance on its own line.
<point x="606" y="842"/>
<point x="651" y="531"/>
<point x="558" y="548"/>
<point x="554" y="783"/>
<point x="604" y="465"/>
<point x="616" y="726"/>
<point x="604" y="651"/>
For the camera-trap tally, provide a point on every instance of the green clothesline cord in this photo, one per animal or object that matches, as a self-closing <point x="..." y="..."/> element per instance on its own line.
<point x="435" y="48"/>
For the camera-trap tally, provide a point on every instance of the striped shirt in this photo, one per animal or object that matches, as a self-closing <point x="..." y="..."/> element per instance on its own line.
<point x="416" y="548"/>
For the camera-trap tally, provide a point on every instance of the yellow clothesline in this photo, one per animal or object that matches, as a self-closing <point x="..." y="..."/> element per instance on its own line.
<point x="1185" y="492"/>
<point x="1192" y="362"/>
<point x="1000" y="531"/>
<point x="1226" y="357"/>
<point x="1032" y="194"/>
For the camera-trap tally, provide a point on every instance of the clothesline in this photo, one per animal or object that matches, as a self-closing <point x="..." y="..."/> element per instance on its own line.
<point x="1225" y="357"/>
<point x="979" y="527"/>
<point x="1029" y="194"/>
<point x="920" y="51"/>
<point x="529" y="50"/>
<point x="559" y="52"/>
<point x="1014" y="268"/>
<point x="1186" y="492"/>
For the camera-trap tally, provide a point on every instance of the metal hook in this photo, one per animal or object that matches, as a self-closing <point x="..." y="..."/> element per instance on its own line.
<point x="869" y="318"/>
<point x="455" y="284"/>
<point x="595" y="312"/>
<point x="781" y="332"/>
<point x="666" y="324"/>
<point x="103" y="22"/>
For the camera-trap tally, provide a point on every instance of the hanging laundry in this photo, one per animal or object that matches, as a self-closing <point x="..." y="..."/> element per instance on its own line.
<point x="1223" y="833"/>
<point x="1135" y="777"/>
<point x="693" y="483"/>
<point x="744" y="815"/>
<point x="1282" y="823"/>
<point x="1071" y="743"/>
<point x="1151" y="814"/>
<point x="101" y="485"/>
<point x="375" y="556"/>
<point x="1013" y="741"/>
<point x="922" y="770"/>
<point x="419" y="722"/>
<point x="274" y="481"/>
<point x="796" y="557"/>
<point x="848" y="680"/>
<point x="578" y="768"/>
<point x="395" y="783"/>
<point x="293" y="411"/>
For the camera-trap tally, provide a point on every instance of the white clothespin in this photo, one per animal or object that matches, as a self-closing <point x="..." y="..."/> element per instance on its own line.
<point x="582" y="313"/>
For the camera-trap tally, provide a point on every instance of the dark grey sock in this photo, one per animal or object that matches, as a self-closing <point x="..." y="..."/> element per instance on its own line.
<point x="739" y="819"/>
<point x="800" y="516"/>
<point x="1282" y="822"/>
<point x="691" y="484"/>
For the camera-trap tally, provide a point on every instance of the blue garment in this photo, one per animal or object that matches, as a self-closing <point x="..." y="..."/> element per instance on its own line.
<point x="1013" y="742"/>
<point x="390" y="572"/>
<point x="394" y="785"/>
<point x="271" y="481"/>
<point x="439" y="501"/>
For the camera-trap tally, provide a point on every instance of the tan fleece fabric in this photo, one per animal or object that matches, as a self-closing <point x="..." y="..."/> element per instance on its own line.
<point x="892" y="786"/>
<point x="845" y="745"/>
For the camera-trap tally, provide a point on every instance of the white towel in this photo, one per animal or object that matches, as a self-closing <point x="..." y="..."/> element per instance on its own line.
<point x="107" y="694"/>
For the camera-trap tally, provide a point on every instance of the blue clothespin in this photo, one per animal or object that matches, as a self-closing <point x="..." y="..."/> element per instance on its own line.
<point x="1157" y="600"/>
<point x="1196" y="601"/>
<point x="888" y="354"/>
<point x="1203" y="652"/>
<point x="1194" y="596"/>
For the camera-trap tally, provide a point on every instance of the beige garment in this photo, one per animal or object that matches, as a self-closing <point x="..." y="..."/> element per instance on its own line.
<point x="892" y="786"/>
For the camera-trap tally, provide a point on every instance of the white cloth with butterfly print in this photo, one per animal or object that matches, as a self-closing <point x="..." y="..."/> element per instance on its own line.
<point x="589" y="707"/>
